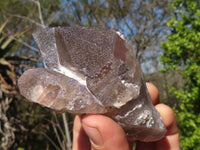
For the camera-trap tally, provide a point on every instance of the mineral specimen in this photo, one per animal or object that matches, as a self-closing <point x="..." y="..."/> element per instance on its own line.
<point x="92" y="70"/>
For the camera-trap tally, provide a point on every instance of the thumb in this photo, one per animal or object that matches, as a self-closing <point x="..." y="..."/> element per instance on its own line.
<point x="104" y="133"/>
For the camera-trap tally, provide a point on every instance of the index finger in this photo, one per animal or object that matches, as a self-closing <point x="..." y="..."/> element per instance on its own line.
<point x="153" y="92"/>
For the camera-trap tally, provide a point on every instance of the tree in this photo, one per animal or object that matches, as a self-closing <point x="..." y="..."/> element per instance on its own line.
<point x="18" y="127"/>
<point x="8" y="64"/>
<point x="182" y="53"/>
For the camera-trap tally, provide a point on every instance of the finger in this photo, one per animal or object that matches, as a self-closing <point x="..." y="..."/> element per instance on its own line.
<point x="171" y="140"/>
<point x="80" y="139"/>
<point x="153" y="92"/>
<point x="104" y="136"/>
<point x="168" y="118"/>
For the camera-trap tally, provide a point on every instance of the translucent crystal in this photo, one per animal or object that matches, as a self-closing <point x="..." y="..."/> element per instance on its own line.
<point x="92" y="70"/>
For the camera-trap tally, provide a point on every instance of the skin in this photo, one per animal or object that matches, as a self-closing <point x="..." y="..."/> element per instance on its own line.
<point x="98" y="132"/>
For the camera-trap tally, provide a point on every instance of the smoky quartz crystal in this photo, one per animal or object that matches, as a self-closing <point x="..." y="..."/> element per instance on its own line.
<point x="92" y="71"/>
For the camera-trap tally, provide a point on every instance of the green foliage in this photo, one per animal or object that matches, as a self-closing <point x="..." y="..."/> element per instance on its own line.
<point x="182" y="52"/>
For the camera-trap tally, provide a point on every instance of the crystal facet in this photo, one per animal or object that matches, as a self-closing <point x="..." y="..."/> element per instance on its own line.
<point x="92" y="70"/>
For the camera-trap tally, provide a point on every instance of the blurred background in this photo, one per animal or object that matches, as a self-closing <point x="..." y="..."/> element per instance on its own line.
<point x="165" y="35"/>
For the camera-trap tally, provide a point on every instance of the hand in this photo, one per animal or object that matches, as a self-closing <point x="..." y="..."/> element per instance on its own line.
<point x="99" y="132"/>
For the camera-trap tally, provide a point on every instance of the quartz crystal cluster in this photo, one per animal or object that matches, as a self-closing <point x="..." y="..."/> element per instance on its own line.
<point x="92" y="71"/>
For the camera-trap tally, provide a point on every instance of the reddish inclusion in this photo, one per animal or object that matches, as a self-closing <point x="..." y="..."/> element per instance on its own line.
<point x="120" y="49"/>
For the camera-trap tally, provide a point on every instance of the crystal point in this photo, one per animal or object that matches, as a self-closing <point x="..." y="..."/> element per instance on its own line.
<point x="92" y="70"/>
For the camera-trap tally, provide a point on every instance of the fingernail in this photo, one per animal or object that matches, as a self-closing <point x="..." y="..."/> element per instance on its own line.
<point x="94" y="136"/>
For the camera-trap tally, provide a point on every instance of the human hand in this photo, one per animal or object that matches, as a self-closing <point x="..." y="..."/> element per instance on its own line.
<point x="99" y="132"/>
